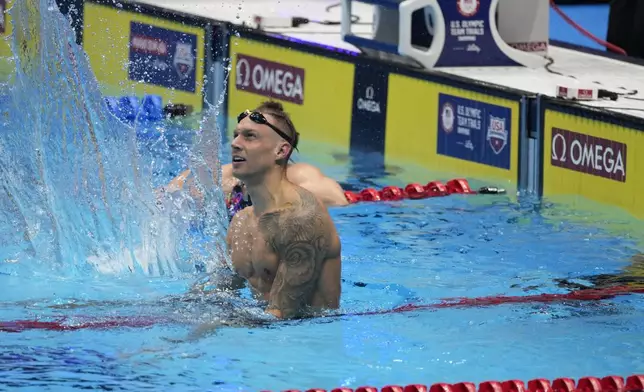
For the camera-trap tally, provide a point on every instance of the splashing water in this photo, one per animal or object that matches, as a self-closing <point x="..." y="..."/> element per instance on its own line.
<point x="76" y="194"/>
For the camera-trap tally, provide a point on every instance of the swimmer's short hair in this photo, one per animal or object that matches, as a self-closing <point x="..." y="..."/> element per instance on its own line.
<point x="276" y="110"/>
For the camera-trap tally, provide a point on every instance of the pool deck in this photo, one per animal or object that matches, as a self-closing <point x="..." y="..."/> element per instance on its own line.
<point x="578" y="68"/>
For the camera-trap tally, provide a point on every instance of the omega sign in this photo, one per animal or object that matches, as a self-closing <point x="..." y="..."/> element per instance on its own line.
<point x="368" y="103"/>
<point x="274" y="80"/>
<point x="588" y="154"/>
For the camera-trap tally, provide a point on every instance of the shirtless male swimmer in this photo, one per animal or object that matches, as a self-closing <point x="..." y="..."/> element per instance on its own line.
<point x="284" y="244"/>
<point x="307" y="176"/>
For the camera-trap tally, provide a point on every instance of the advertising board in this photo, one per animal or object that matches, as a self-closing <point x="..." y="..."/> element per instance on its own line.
<point x="135" y="53"/>
<point x="27" y="38"/>
<point x="452" y="130"/>
<point x="7" y="66"/>
<point x="596" y="160"/>
<point x="369" y="111"/>
<point x="316" y="91"/>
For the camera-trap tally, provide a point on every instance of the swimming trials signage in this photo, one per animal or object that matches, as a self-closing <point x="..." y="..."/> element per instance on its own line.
<point x="162" y="57"/>
<point x="468" y="35"/>
<point x="474" y="131"/>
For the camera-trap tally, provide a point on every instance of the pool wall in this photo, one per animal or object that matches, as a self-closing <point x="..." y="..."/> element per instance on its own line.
<point x="117" y="40"/>
<point x="452" y="125"/>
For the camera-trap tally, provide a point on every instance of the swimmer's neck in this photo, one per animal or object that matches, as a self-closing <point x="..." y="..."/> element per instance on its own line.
<point x="267" y="190"/>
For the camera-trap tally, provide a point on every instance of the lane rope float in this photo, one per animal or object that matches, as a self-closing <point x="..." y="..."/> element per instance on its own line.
<point x="633" y="383"/>
<point x="416" y="191"/>
<point x="62" y="324"/>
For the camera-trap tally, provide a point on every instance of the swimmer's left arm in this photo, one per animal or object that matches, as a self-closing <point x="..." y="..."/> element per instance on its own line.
<point x="299" y="237"/>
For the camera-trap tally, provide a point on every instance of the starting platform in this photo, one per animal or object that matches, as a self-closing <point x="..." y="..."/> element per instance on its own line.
<point x="459" y="33"/>
<point x="353" y="25"/>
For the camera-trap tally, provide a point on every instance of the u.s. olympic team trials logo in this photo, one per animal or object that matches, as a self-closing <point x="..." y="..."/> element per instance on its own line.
<point x="447" y="117"/>
<point x="468" y="8"/>
<point x="497" y="134"/>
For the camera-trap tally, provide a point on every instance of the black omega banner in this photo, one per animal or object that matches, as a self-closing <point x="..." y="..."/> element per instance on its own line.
<point x="369" y="108"/>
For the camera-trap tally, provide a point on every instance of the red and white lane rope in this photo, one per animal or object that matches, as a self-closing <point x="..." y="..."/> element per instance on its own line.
<point x="634" y="383"/>
<point x="415" y="191"/>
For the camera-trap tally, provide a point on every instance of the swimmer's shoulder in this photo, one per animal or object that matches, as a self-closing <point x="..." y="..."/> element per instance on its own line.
<point x="315" y="210"/>
<point x="321" y="229"/>
<point x="309" y="217"/>
<point x="307" y="203"/>
<point x="243" y="216"/>
<point x="241" y="220"/>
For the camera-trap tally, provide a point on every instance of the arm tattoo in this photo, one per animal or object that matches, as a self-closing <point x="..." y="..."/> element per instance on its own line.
<point x="298" y="236"/>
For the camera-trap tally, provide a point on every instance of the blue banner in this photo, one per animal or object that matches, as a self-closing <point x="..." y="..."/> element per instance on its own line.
<point x="468" y="36"/>
<point x="474" y="131"/>
<point x="162" y="57"/>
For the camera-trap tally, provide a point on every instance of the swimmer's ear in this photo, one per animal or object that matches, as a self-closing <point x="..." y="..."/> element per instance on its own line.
<point x="283" y="151"/>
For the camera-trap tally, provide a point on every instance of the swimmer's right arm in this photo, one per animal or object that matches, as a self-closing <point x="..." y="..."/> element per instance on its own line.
<point x="223" y="278"/>
<point x="178" y="183"/>
<point x="236" y="282"/>
<point x="185" y="178"/>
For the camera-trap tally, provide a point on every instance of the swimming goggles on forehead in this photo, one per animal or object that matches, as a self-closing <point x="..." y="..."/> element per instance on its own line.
<point x="259" y="118"/>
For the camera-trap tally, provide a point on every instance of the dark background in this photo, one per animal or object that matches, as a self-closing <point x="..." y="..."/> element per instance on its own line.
<point x="574" y="2"/>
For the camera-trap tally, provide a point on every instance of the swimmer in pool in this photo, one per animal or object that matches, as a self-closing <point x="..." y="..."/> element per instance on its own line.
<point x="285" y="244"/>
<point x="302" y="174"/>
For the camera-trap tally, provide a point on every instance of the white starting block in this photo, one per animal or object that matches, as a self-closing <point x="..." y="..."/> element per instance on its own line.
<point x="464" y="33"/>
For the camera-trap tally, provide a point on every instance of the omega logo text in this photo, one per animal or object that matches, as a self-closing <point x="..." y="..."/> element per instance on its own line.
<point x="588" y="154"/>
<point x="368" y="103"/>
<point x="270" y="79"/>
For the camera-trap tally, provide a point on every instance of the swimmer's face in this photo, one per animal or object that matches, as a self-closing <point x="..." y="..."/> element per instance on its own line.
<point x="256" y="148"/>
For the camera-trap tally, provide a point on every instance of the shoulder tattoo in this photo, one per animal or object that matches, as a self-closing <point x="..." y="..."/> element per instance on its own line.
<point x="298" y="235"/>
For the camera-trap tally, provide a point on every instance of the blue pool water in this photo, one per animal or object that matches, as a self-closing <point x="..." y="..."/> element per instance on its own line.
<point x="59" y="211"/>
<point x="393" y="254"/>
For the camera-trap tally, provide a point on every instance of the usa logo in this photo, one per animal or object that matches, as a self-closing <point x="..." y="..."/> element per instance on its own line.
<point x="183" y="60"/>
<point x="497" y="134"/>
<point x="468" y="8"/>
<point x="447" y="117"/>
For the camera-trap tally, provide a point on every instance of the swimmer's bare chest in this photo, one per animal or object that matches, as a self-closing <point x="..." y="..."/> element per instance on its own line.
<point x="251" y="257"/>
